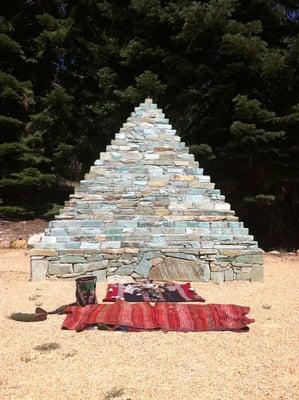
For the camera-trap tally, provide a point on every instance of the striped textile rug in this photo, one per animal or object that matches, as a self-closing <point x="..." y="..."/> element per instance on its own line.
<point x="163" y="316"/>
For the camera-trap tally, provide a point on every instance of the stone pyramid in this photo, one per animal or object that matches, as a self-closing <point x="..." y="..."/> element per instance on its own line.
<point x="145" y="210"/>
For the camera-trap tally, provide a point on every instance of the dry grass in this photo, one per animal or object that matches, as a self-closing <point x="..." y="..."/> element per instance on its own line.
<point x="258" y="365"/>
<point x="114" y="393"/>
<point x="45" y="347"/>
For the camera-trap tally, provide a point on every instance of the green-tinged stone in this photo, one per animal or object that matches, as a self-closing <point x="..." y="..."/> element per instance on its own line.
<point x="94" y="257"/>
<point x="59" y="268"/>
<point x="143" y="267"/>
<point x="101" y="275"/>
<point x="243" y="275"/>
<point x="229" y="274"/>
<point x="72" y="259"/>
<point x="126" y="269"/>
<point x="217" y="277"/>
<point x="257" y="273"/>
<point x="39" y="269"/>
<point x="250" y="259"/>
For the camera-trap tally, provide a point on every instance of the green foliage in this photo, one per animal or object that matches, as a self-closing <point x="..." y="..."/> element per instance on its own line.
<point x="12" y="212"/>
<point x="30" y="177"/>
<point x="147" y="84"/>
<point x="53" y="209"/>
<point x="225" y="72"/>
<point x="260" y="200"/>
<point x="202" y="151"/>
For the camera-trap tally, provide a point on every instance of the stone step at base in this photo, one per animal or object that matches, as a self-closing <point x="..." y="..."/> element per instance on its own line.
<point x="125" y="230"/>
<point x="94" y="223"/>
<point x="160" y="239"/>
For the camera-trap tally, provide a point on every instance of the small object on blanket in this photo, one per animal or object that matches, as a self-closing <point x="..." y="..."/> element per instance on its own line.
<point x="150" y="291"/>
<point x="86" y="290"/>
<point x="122" y="315"/>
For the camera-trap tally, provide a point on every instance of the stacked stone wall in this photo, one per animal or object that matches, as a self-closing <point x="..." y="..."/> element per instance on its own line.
<point x="146" y="210"/>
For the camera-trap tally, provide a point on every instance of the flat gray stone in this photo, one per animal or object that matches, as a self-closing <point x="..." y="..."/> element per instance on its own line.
<point x="217" y="277"/>
<point x="72" y="259"/>
<point x="250" y="259"/>
<point x="229" y="275"/>
<point x="143" y="268"/>
<point x="182" y="256"/>
<point x="101" y="275"/>
<point x="126" y="269"/>
<point x="151" y="254"/>
<point x="58" y="269"/>
<point x="38" y="269"/>
<point x="205" y="272"/>
<point x="92" y="266"/>
<point x="177" y="269"/>
<point x="244" y="274"/>
<point x="94" y="257"/>
<point x="257" y="273"/>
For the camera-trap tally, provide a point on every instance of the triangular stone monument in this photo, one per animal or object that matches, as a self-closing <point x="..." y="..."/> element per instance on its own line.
<point x="145" y="210"/>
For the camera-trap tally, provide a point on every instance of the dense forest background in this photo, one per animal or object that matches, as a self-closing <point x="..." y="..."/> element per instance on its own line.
<point x="225" y="72"/>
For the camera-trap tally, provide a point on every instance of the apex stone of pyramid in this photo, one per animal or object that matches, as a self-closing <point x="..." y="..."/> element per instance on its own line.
<point x="146" y="210"/>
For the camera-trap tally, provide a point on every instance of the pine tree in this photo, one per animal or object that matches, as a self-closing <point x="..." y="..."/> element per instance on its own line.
<point x="24" y="176"/>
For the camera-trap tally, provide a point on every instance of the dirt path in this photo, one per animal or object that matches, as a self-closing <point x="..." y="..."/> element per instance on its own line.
<point x="259" y="365"/>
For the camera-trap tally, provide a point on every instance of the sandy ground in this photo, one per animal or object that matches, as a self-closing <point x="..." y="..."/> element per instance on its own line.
<point x="259" y="365"/>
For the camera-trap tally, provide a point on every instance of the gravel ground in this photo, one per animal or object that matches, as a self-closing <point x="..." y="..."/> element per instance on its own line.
<point x="257" y="365"/>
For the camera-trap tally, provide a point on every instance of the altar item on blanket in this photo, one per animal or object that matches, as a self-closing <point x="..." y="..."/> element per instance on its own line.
<point x="122" y="315"/>
<point x="86" y="290"/>
<point x="150" y="291"/>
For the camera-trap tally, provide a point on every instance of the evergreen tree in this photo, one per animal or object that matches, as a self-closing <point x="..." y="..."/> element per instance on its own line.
<point x="225" y="71"/>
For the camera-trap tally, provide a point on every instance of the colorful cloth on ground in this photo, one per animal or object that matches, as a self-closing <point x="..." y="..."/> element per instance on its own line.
<point x="164" y="316"/>
<point x="152" y="292"/>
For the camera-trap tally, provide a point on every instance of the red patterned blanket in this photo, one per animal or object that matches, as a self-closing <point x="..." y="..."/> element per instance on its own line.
<point x="164" y="316"/>
<point x="152" y="292"/>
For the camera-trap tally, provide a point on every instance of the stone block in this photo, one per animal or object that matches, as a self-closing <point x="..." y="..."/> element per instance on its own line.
<point x="38" y="269"/>
<point x="143" y="267"/>
<point x="242" y="274"/>
<point x="113" y="251"/>
<point x="111" y="245"/>
<point x="250" y="259"/>
<point x="72" y="259"/>
<point x="91" y="266"/>
<point x="156" y="260"/>
<point x="229" y="275"/>
<point x="257" y="273"/>
<point x="217" y="277"/>
<point x="89" y="246"/>
<point x="101" y="275"/>
<point x="176" y="269"/>
<point x="43" y="252"/>
<point x="126" y="269"/>
<point x="58" y="269"/>
<point x="205" y="272"/>
<point x="94" y="257"/>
